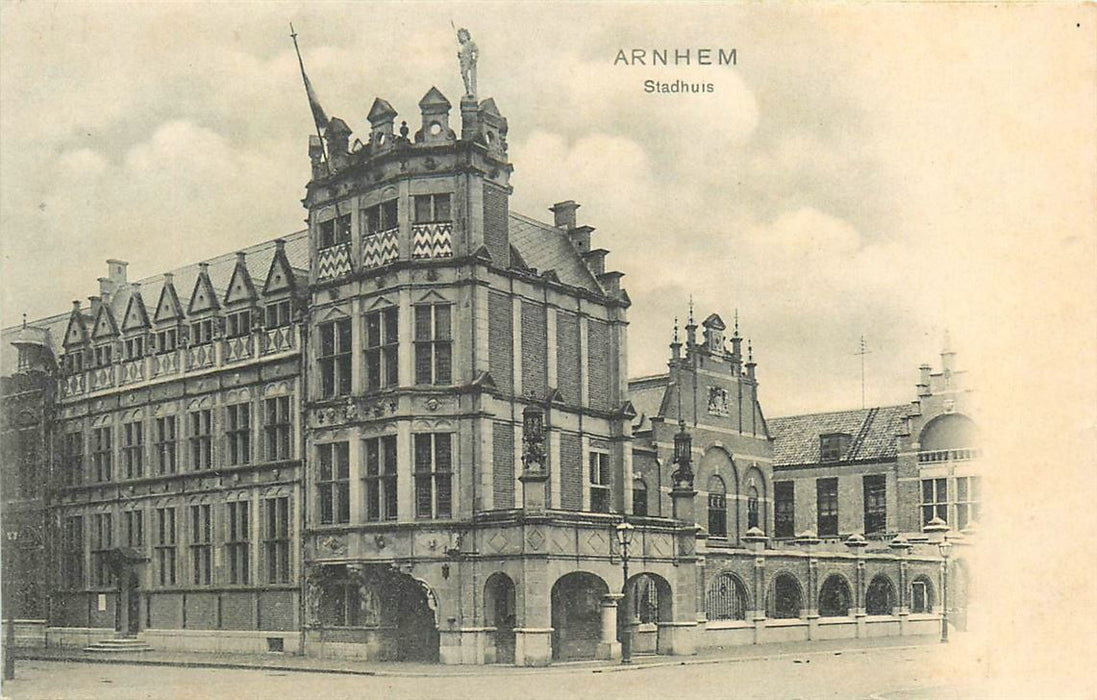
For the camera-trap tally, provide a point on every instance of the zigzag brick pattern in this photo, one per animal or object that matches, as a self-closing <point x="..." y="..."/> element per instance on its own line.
<point x="334" y="262"/>
<point x="431" y="241"/>
<point x="380" y="249"/>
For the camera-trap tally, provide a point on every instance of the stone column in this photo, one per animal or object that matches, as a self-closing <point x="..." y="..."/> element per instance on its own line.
<point x="813" y="593"/>
<point x="859" y="596"/>
<point x="533" y="633"/>
<point x="683" y="507"/>
<point x="609" y="648"/>
<point x="759" y="616"/>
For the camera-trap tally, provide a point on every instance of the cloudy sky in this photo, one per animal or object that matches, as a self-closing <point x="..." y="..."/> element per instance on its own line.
<point x="890" y="171"/>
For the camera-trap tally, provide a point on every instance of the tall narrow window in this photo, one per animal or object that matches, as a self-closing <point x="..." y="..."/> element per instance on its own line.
<point x="639" y="497"/>
<point x="134" y="348"/>
<point x="598" y="465"/>
<point x="73" y="553"/>
<point x="238" y="324"/>
<point x="876" y="503"/>
<point x="784" y="505"/>
<point x="237" y="542"/>
<point x="165" y="445"/>
<point x="103" y="355"/>
<point x="201" y="439"/>
<point x="74" y="458"/>
<point x="334" y="231"/>
<point x="164" y="546"/>
<point x="432" y="208"/>
<point x="967" y="501"/>
<point x="433" y="344"/>
<point x="276" y="540"/>
<point x="334" y="482"/>
<point x="201" y="332"/>
<point x="102" y="454"/>
<point x="278" y="314"/>
<point x="278" y="429"/>
<point x="238" y="432"/>
<point x="166" y="340"/>
<point x="133" y="449"/>
<point x="934" y="500"/>
<point x="335" y="358"/>
<point x="134" y="523"/>
<point x="381" y="348"/>
<point x="381" y="217"/>
<point x="753" y="519"/>
<point x="201" y="544"/>
<point x="433" y="475"/>
<point x="102" y="543"/>
<point x="826" y="495"/>
<point x="381" y="478"/>
<point x="717" y="507"/>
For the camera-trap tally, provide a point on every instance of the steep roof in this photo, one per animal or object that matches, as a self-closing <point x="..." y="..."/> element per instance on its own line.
<point x="647" y="395"/>
<point x="873" y="434"/>
<point x="545" y="247"/>
<point x="259" y="257"/>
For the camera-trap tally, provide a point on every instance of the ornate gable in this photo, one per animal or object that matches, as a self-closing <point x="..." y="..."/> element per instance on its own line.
<point x="280" y="276"/>
<point x="203" y="298"/>
<point x="76" y="333"/>
<point x="168" y="308"/>
<point x="241" y="288"/>
<point x="104" y="325"/>
<point x="136" y="316"/>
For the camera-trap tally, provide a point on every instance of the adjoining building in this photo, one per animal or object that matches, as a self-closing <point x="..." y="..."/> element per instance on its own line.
<point x="407" y="433"/>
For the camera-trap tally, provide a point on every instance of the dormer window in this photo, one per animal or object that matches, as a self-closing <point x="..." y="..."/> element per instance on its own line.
<point x="135" y="348"/>
<point x="278" y="314"/>
<point x="833" y="446"/>
<point x="166" y="340"/>
<point x="334" y="231"/>
<point x="381" y="217"/>
<point x="73" y="362"/>
<point x="201" y="332"/>
<point x="103" y="355"/>
<point x="432" y="208"/>
<point x="238" y="324"/>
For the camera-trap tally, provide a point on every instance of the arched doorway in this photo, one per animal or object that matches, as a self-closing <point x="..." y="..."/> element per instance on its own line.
<point x="786" y="598"/>
<point x="834" y="597"/>
<point x="921" y="595"/>
<point x="576" y="615"/>
<point x="880" y="596"/>
<point x="726" y="598"/>
<point x="650" y="603"/>
<point x="378" y="606"/>
<point x="499" y="612"/>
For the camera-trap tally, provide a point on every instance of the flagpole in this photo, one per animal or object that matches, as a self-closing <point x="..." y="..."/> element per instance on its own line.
<point x="312" y="101"/>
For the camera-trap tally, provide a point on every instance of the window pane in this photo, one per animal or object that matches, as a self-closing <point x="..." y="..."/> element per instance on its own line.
<point x="422" y="323"/>
<point x="441" y="207"/>
<point x="443" y="363"/>
<point x="422" y="453"/>
<point x="441" y="322"/>
<point x="422" y="208"/>
<point x="442" y="455"/>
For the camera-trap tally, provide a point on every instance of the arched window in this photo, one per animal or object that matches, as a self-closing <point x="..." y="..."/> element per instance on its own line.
<point x="786" y="600"/>
<point x="921" y="595"/>
<point x="717" y="507"/>
<point x="834" y="597"/>
<point x="639" y="497"/>
<point x="726" y="598"/>
<point x="645" y="599"/>
<point x="880" y="596"/>
<point x="752" y="508"/>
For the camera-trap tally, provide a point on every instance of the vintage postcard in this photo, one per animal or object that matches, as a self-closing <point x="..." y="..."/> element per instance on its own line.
<point x="556" y="349"/>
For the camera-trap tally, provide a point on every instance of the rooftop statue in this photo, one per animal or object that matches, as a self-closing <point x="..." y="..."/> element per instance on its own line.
<point x="467" y="56"/>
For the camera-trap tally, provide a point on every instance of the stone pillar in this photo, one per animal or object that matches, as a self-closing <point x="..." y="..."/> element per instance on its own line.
<point x="759" y="616"/>
<point x="859" y="596"/>
<point x="683" y="508"/>
<point x="904" y="604"/>
<point x="533" y="491"/>
<point x="609" y="648"/>
<point x="813" y="593"/>
<point x="533" y="634"/>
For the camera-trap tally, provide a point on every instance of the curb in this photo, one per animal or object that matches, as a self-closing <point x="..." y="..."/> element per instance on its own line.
<point x="503" y="671"/>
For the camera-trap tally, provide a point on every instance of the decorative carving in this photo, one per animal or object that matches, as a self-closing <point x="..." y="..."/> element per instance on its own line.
<point x="467" y="57"/>
<point x="432" y="404"/>
<point x="332" y="545"/>
<point x="717" y="401"/>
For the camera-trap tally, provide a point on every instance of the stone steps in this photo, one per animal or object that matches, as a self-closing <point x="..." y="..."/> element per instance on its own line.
<point x="119" y="644"/>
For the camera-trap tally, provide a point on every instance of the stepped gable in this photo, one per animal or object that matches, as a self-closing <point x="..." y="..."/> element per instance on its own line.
<point x="545" y="247"/>
<point x="872" y="431"/>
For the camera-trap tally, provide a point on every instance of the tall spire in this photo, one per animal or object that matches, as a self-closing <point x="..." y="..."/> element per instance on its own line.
<point x="675" y="344"/>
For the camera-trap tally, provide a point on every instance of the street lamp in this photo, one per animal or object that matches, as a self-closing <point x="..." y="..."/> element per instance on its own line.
<point x="624" y="538"/>
<point x="946" y="547"/>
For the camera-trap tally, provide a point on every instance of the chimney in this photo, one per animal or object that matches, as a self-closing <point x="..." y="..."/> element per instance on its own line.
<point x="595" y="260"/>
<point x="93" y="305"/>
<point x="116" y="272"/>
<point x="280" y="244"/>
<point x="751" y="364"/>
<point x="923" y="380"/>
<point x="564" y="214"/>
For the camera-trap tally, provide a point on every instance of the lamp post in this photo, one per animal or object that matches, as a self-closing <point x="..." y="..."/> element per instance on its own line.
<point x="12" y="537"/>
<point x="946" y="547"/>
<point x="624" y="538"/>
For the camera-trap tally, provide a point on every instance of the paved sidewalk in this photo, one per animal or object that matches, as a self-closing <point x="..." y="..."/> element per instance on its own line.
<point x="798" y="651"/>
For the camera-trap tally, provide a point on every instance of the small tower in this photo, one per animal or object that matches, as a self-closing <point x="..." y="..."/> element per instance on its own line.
<point x="381" y="116"/>
<point x="337" y="135"/>
<point x="35" y="349"/>
<point x="434" y="108"/>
